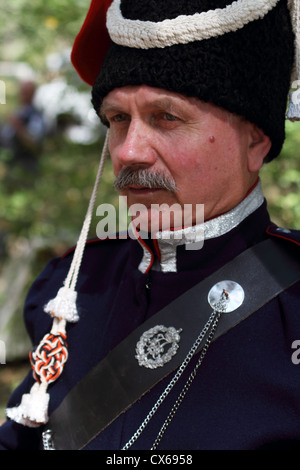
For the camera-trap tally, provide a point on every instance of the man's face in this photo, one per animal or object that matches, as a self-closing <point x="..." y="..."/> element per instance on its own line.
<point x="196" y="146"/>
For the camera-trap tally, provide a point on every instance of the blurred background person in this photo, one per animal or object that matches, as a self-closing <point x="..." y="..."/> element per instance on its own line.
<point x="24" y="132"/>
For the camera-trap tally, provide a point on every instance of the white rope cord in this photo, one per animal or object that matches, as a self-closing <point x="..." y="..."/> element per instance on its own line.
<point x="72" y="276"/>
<point x="64" y="305"/>
<point x="33" y="409"/>
<point x="185" y="28"/>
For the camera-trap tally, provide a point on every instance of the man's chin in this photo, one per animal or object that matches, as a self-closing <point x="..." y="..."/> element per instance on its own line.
<point x="157" y="219"/>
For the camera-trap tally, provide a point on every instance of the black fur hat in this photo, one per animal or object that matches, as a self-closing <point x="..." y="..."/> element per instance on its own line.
<point x="247" y="71"/>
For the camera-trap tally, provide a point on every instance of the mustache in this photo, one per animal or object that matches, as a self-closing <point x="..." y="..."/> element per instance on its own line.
<point x="130" y="176"/>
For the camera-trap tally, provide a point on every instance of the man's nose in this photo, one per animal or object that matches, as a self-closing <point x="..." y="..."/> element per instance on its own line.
<point x="137" y="147"/>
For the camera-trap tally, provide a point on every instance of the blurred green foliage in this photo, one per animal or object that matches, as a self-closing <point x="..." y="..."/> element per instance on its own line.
<point x="52" y="202"/>
<point x="31" y="30"/>
<point x="281" y="181"/>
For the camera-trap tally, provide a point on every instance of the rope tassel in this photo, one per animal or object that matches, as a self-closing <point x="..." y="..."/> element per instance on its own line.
<point x="33" y="410"/>
<point x="63" y="306"/>
<point x="47" y="363"/>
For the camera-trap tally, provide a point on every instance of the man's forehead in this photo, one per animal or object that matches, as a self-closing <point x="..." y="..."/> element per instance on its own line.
<point x="147" y="96"/>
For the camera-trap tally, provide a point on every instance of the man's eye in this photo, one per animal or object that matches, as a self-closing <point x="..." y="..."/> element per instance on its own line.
<point x="118" y="118"/>
<point x="170" y="117"/>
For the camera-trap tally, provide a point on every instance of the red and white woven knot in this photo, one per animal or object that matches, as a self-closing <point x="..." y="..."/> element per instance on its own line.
<point x="49" y="358"/>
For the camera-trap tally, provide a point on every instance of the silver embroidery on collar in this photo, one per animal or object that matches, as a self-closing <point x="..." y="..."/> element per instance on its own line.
<point x="193" y="237"/>
<point x="146" y="260"/>
<point x="168" y="241"/>
<point x="224" y="223"/>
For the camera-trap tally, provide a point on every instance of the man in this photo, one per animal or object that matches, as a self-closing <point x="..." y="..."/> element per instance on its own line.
<point x="142" y="352"/>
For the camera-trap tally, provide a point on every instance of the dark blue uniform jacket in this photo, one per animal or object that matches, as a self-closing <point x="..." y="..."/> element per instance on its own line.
<point x="246" y="394"/>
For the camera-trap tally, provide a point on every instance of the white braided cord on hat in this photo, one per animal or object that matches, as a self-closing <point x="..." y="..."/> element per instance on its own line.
<point x="185" y="28"/>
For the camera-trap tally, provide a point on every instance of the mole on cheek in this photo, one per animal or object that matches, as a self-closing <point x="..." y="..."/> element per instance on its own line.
<point x="212" y="139"/>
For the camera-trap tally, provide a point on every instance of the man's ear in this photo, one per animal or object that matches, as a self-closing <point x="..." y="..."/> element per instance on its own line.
<point x="259" y="145"/>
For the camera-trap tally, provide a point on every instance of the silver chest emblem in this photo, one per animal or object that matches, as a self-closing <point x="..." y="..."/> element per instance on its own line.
<point x="157" y="346"/>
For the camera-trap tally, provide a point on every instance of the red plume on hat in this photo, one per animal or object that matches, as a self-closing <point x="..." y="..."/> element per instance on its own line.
<point x="93" y="35"/>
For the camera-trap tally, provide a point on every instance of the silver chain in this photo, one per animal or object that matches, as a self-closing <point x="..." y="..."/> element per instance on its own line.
<point x="47" y="440"/>
<point x="187" y="384"/>
<point x="212" y="323"/>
